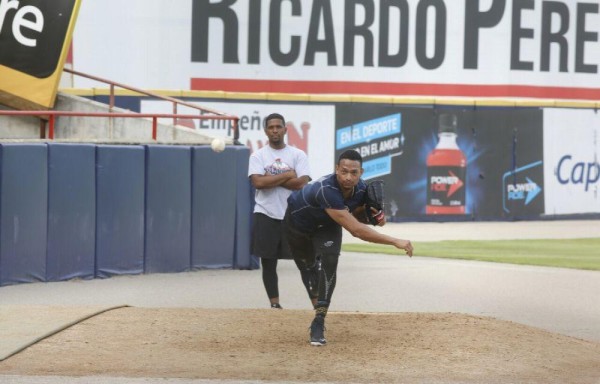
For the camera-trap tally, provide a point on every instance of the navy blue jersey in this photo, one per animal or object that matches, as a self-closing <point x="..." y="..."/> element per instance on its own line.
<point x="307" y="205"/>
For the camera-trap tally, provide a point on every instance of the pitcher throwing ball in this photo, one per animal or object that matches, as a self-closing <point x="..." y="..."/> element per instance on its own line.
<point x="313" y="224"/>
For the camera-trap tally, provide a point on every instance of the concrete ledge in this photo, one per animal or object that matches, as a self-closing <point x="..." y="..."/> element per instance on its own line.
<point x="98" y="129"/>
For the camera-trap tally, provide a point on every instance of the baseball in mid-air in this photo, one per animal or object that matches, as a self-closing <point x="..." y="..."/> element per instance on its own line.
<point x="218" y="145"/>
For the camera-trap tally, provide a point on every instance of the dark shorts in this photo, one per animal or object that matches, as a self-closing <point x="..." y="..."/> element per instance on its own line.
<point x="305" y="247"/>
<point x="267" y="238"/>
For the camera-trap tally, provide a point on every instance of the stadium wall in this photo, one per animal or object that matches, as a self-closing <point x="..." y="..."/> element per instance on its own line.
<point x="94" y="211"/>
<point x="521" y="78"/>
<point x="524" y="159"/>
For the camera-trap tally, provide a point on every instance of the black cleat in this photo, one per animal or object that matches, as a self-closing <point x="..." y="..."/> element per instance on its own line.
<point x="317" y="331"/>
<point x="276" y="306"/>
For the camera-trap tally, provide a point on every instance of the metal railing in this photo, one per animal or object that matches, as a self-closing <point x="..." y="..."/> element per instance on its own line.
<point x="51" y="115"/>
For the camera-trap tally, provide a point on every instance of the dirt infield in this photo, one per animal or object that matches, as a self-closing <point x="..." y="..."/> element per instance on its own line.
<point x="271" y="345"/>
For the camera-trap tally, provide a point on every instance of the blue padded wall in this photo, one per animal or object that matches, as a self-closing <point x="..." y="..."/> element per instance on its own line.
<point x="244" y="201"/>
<point x="71" y="211"/>
<point x="168" y="207"/>
<point x="213" y="207"/>
<point x="83" y="211"/>
<point x="23" y="212"/>
<point x="120" y="182"/>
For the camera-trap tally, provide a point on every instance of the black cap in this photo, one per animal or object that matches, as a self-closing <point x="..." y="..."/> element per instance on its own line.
<point x="447" y="122"/>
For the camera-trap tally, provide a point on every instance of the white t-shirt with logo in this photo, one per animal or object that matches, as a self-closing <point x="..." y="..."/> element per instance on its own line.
<point x="268" y="161"/>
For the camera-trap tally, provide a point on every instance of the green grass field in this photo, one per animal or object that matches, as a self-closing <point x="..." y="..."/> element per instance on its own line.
<point x="568" y="253"/>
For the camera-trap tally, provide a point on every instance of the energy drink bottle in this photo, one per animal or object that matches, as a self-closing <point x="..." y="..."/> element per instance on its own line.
<point x="446" y="172"/>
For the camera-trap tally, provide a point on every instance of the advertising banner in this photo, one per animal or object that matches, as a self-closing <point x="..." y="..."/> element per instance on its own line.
<point x="438" y="162"/>
<point x="449" y="163"/>
<point x="476" y="48"/>
<point x="309" y="127"/>
<point x="571" y="157"/>
<point x="35" y="36"/>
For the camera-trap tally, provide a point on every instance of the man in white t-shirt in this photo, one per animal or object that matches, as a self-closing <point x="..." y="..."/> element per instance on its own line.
<point x="275" y="170"/>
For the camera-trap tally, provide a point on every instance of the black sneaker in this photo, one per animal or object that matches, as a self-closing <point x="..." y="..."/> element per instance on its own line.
<point x="317" y="331"/>
<point x="276" y="306"/>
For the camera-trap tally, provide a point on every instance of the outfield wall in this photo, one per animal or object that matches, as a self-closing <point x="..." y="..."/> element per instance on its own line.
<point x="525" y="160"/>
<point x="524" y="75"/>
<point x="85" y="210"/>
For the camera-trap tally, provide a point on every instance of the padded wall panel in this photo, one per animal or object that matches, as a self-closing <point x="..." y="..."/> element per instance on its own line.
<point x="71" y="211"/>
<point x="23" y="212"/>
<point x="120" y="181"/>
<point x="168" y="209"/>
<point x="244" y="206"/>
<point x="213" y="207"/>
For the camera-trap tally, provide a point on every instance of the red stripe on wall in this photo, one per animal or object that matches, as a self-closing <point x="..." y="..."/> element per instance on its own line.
<point x="395" y="89"/>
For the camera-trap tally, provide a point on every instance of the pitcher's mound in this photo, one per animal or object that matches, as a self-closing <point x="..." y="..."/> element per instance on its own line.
<point x="273" y="345"/>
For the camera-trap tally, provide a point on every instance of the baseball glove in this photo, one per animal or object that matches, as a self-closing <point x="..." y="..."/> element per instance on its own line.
<point x="374" y="199"/>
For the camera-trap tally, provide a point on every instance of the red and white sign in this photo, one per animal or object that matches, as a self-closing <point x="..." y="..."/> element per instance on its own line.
<point x="309" y="127"/>
<point x="485" y="48"/>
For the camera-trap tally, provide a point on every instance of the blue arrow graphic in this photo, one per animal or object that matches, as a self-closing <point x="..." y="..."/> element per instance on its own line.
<point x="533" y="193"/>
